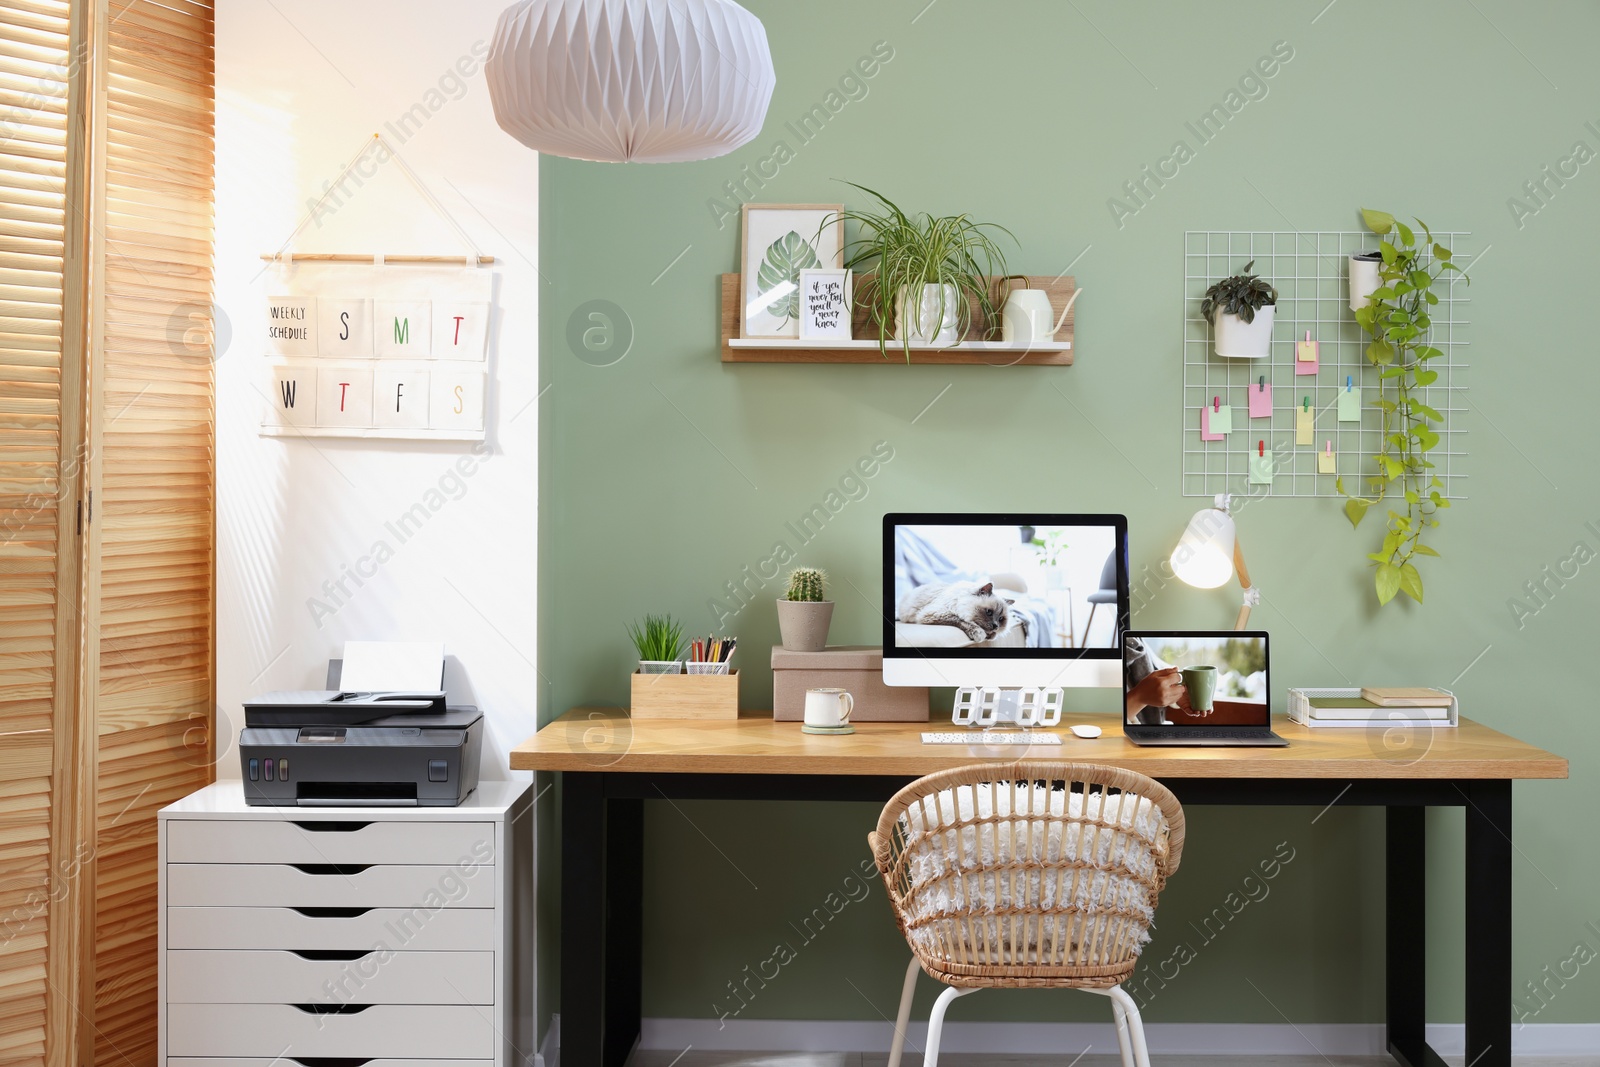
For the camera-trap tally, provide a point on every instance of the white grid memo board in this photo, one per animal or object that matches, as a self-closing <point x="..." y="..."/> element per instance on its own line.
<point x="1309" y="271"/>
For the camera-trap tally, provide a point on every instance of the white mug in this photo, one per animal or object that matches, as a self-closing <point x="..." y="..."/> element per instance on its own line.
<point x="828" y="707"/>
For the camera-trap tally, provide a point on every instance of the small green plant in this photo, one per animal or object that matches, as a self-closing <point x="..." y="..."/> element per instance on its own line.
<point x="905" y="252"/>
<point x="1398" y="321"/>
<point x="806" y="585"/>
<point x="1243" y="295"/>
<point x="658" y="637"/>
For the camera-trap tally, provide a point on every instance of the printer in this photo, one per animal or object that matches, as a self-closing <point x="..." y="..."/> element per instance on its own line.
<point x="361" y="748"/>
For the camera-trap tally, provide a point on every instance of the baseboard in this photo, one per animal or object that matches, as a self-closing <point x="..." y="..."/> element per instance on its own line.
<point x="1240" y="1039"/>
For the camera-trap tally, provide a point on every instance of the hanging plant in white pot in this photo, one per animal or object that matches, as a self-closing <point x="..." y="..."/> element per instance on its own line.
<point x="1240" y="309"/>
<point x="928" y="275"/>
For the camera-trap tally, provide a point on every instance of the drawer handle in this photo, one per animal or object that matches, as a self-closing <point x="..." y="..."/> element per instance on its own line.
<point x="332" y="954"/>
<point x="332" y="1009"/>
<point x="329" y="1061"/>
<point x="333" y="826"/>
<point x="330" y="868"/>
<point x="331" y="913"/>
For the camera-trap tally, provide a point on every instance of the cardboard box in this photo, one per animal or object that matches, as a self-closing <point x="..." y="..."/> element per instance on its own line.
<point x="686" y="696"/>
<point x="856" y="668"/>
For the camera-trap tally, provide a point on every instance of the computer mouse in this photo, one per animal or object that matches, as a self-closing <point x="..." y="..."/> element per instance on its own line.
<point x="1086" y="731"/>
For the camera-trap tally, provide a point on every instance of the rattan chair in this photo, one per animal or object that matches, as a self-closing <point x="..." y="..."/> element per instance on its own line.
<point x="1027" y="875"/>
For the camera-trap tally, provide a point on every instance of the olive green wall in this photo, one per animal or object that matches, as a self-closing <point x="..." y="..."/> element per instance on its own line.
<point x="667" y="472"/>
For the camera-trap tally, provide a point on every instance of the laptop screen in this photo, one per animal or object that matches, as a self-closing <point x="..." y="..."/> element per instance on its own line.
<point x="1188" y="678"/>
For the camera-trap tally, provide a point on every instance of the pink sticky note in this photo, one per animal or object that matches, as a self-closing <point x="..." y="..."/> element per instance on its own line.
<point x="1261" y="401"/>
<point x="1205" y="425"/>
<point x="1307" y="356"/>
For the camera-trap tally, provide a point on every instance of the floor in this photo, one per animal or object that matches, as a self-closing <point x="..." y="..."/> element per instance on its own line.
<point x="856" y="1059"/>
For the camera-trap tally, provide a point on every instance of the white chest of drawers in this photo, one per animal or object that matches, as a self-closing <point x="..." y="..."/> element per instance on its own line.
<point x="357" y="934"/>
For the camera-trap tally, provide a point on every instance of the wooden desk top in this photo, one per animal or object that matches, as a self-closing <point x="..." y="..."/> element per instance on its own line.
<point x="606" y="739"/>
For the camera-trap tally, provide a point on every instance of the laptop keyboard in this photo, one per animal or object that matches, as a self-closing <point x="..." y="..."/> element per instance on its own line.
<point x="1213" y="733"/>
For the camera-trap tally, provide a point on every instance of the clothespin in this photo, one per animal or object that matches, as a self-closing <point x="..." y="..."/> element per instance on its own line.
<point x="1306" y="403"/>
<point x="1261" y="384"/>
<point x="1261" y="448"/>
<point x="1349" y="383"/>
<point x="1216" y="403"/>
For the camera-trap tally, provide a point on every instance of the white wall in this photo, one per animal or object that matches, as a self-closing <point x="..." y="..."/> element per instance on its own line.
<point x="301" y="86"/>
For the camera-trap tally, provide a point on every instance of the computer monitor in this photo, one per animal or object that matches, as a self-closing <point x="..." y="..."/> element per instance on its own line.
<point x="1000" y="601"/>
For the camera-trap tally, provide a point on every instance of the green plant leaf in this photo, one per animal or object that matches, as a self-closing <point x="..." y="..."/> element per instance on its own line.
<point x="1355" y="510"/>
<point x="1427" y="377"/>
<point x="1411" y="582"/>
<point x="1440" y="251"/>
<point x="1387" y="581"/>
<point x="1423" y="409"/>
<point x="780" y="268"/>
<point x="1427" y="440"/>
<point x="1412" y="497"/>
<point x="1405" y="234"/>
<point x="1423" y="550"/>
<point x="1379" y="222"/>
<point x="1380" y="351"/>
<point x="1389" y="253"/>
<point x="1431" y="297"/>
<point x="1392" y="467"/>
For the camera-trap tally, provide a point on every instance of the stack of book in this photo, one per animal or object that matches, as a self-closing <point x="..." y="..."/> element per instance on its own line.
<point x="1373" y="706"/>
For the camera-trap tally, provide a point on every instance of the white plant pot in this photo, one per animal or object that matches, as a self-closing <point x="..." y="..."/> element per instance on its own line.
<point x="1364" y="278"/>
<point x="936" y="323"/>
<point x="1238" y="339"/>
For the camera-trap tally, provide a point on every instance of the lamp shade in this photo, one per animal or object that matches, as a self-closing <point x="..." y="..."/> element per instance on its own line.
<point x="643" y="81"/>
<point x="1204" y="556"/>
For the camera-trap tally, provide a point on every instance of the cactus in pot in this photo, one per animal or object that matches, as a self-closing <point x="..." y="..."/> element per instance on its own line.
<point x="803" y="614"/>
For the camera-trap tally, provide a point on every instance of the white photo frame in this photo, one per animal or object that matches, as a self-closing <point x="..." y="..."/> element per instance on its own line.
<point x="777" y="242"/>
<point x="826" y="302"/>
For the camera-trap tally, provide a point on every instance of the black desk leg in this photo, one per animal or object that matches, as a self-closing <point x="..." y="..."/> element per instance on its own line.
<point x="1488" y="876"/>
<point x="624" y="927"/>
<point x="583" y="918"/>
<point x="1405" y="941"/>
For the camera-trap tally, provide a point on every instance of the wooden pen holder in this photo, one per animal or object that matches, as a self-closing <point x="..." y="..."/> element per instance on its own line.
<point x="686" y="696"/>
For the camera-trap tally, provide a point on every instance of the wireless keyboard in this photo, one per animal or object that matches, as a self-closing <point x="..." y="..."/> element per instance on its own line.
<point x="989" y="737"/>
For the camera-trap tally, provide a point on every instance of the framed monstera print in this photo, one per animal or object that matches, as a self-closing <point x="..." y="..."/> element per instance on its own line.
<point x="780" y="241"/>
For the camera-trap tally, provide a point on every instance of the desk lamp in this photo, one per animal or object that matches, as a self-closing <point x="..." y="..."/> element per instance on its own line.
<point x="1208" y="553"/>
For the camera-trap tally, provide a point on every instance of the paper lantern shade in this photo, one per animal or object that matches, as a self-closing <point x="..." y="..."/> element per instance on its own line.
<point x="643" y="81"/>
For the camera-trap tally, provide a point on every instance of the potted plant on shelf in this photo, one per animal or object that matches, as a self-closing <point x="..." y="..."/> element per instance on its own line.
<point x="926" y="273"/>
<point x="1397" y="318"/>
<point x="803" y="615"/>
<point x="659" y="641"/>
<point x="1240" y="309"/>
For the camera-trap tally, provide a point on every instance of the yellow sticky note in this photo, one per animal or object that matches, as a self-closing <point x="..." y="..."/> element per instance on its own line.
<point x="1306" y="351"/>
<point x="1325" y="460"/>
<point x="1304" y="423"/>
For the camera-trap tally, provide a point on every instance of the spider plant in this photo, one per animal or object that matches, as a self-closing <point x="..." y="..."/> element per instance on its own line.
<point x="906" y="252"/>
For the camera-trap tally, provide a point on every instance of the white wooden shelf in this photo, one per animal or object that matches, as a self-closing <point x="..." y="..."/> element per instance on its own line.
<point x="782" y="343"/>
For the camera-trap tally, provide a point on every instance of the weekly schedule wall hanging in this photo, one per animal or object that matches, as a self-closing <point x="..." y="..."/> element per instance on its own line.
<point x="377" y="346"/>
<point x="359" y="348"/>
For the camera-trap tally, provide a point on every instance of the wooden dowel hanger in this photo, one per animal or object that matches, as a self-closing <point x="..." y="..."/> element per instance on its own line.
<point x="350" y="257"/>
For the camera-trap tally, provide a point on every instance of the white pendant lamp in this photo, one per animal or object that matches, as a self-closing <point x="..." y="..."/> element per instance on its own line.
<point x="1208" y="552"/>
<point x="641" y="81"/>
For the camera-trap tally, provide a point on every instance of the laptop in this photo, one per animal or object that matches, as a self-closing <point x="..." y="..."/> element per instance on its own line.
<point x="1197" y="687"/>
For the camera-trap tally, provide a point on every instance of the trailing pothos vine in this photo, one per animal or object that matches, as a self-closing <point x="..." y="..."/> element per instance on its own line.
<point x="1398" y="318"/>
